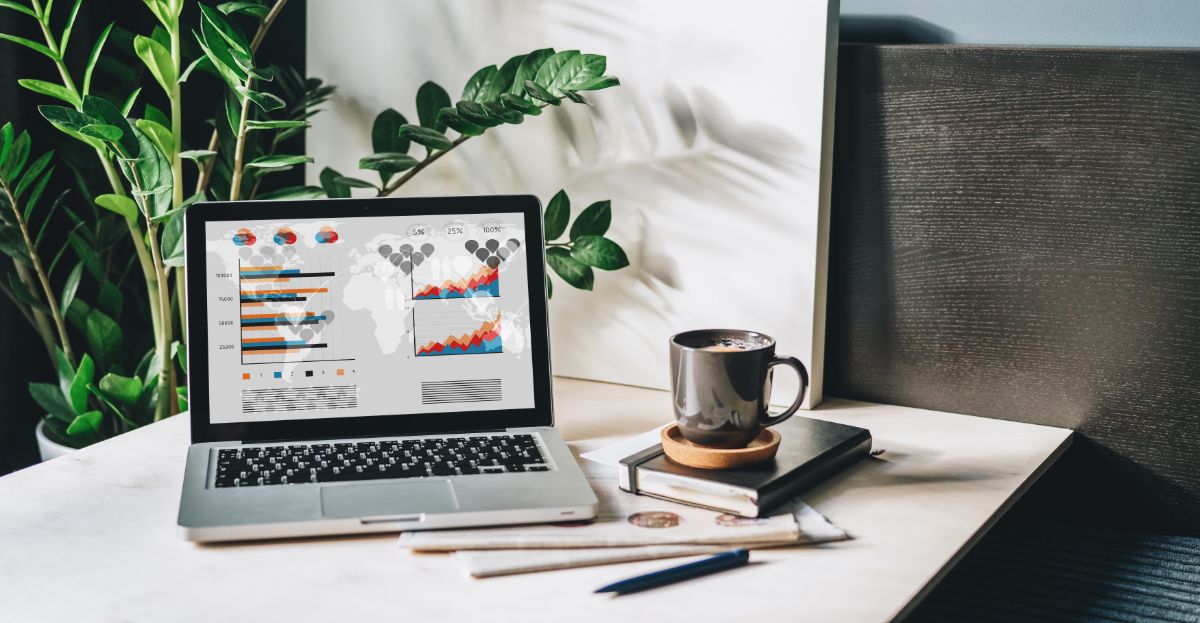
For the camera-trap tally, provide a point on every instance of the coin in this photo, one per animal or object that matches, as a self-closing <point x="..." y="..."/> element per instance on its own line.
<point x="654" y="519"/>
<point x="734" y="521"/>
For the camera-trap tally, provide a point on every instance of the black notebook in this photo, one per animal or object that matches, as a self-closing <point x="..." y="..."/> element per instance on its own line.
<point x="809" y="452"/>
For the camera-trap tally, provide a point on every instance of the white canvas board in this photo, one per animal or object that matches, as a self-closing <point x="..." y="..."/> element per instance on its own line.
<point x="714" y="151"/>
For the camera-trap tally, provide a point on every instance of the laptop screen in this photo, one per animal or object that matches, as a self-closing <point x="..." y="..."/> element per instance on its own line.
<point x="367" y="315"/>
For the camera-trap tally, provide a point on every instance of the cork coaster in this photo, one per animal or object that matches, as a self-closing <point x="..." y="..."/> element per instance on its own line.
<point x="680" y="450"/>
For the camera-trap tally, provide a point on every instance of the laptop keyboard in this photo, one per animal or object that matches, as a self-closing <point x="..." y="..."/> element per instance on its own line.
<point x="378" y="459"/>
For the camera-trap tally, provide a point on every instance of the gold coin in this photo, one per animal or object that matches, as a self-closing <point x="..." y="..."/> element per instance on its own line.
<point x="654" y="519"/>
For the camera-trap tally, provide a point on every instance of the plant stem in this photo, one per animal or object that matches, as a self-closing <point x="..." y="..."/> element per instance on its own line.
<point x="43" y="278"/>
<point x="235" y="183"/>
<point x="214" y="143"/>
<point x="176" y="97"/>
<point x="391" y="188"/>
<point x="164" y="405"/>
<point x="114" y="180"/>
<point x="36" y="316"/>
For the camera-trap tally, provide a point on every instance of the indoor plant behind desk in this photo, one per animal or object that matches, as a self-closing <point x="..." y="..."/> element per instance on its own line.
<point x="116" y="341"/>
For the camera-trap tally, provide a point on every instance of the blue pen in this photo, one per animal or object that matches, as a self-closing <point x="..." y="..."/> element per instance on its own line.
<point x="712" y="564"/>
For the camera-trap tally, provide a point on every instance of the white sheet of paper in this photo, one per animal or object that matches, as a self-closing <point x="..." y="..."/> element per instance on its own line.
<point x="623" y="520"/>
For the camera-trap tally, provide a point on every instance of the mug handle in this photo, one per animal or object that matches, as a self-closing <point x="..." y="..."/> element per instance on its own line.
<point x="771" y="420"/>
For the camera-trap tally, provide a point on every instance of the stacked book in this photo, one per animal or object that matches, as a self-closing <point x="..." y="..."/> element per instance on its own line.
<point x="629" y="527"/>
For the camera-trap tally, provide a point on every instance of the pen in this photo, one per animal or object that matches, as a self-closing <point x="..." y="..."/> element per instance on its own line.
<point x="712" y="564"/>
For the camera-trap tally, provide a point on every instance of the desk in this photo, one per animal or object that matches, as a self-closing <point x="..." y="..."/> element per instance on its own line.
<point x="92" y="536"/>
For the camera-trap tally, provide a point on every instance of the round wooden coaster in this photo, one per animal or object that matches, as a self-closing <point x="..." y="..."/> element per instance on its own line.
<point x="680" y="450"/>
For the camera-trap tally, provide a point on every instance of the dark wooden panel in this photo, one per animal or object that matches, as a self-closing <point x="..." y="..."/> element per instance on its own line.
<point x="1016" y="234"/>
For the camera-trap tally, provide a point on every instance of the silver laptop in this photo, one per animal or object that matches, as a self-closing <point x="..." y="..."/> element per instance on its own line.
<point x="370" y="365"/>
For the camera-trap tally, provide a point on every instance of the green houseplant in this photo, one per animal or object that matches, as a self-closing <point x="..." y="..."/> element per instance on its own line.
<point x="126" y="245"/>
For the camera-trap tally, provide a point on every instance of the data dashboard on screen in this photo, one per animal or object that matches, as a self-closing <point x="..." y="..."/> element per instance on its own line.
<point x="368" y="315"/>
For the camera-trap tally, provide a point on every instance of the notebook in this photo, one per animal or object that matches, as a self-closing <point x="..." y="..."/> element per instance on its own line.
<point x="810" y="452"/>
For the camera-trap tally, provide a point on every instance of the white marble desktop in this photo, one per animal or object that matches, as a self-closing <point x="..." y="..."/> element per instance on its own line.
<point x="92" y="536"/>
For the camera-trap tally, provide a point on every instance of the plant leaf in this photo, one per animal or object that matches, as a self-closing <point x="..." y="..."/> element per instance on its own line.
<point x="498" y="111"/>
<point x="172" y="239"/>
<point x="354" y="182"/>
<point x="124" y="389"/>
<point x="577" y="98"/>
<point x="449" y="115"/>
<point x="93" y="57"/>
<point x="333" y="188"/>
<point x="385" y="138"/>
<point x="111" y="299"/>
<point x="102" y="109"/>
<point x="276" y="125"/>
<point x="519" y="104"/>
<point x="593" y="221"/>
<point x="66" y="34"/>
<point x="199" y="155"/>
<point x="203" y="63"/>
<point x="385" y="133"/>
<point x="154" y="172"/>
<point x="549" y="288"/>
<point x="36" y="193"/>
<point x="480" y="85"/>
<point x="270" y="162"/>
<point x="558" y="213"/>
<point x="528" y="70"/>
<point x="504" y="78"/>
<point x="6" y="141"/>
<point x="127" y="107"/>
<point x="571" y="270"/>
<point x="295" y="192"/>
<point x="264" y="74"/>
<point x="158" y="60"/>
<point x="233" y="37"/>
<point x="431" y="99"/>
<point x="70" y="122"/>
<point x="250" y="8"/>
<point x="474" y="112"/>
<point x="425" y="136"/>
<point x="53" y="90"/>
<point x="30" y="176"/>
<point x="265" y="101"/>
<point x="596" y="84"/>
<point x="538" y="93"/>
<point x="219" y="54"/>
<point x="84" y="375"/>
<point x="17" y="156"/>
<point x="32" y="45"/>
<point x="579" y="70"/>
<point x="599" y="252"/>
<point x="179" y="354"/>
<point x="50" y="398"/>
<point x="104" y="337"/>
<point x="86" y="425"/>
<point x="389" y="162"/>
<point x="70" y="287"/>
<point x="159" y="135"/>
<point x="102" y="131"/>
<point x="551" y="75"/>
<point x="17" y="6"/>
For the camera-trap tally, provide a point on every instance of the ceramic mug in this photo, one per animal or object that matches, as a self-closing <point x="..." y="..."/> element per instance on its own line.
<point x="721" y="383"/>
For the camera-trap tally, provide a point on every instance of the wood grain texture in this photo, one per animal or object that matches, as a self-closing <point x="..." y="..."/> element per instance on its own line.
<point x="1016" y="234"/>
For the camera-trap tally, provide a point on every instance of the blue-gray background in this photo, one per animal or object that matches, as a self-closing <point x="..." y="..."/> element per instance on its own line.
<point x="1150" y="23"/>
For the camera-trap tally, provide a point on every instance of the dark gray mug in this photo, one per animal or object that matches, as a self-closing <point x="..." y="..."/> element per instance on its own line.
<point x="721" y="383"/>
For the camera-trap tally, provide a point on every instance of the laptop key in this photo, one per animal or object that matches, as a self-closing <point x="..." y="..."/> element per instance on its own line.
<point x="377" y="459"/>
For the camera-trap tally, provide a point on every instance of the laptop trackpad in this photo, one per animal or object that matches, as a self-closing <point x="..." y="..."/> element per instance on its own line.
<point x="381" y="500"/>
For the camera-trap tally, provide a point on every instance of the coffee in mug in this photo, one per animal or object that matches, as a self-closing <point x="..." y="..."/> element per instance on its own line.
<point x="721" y="384"/>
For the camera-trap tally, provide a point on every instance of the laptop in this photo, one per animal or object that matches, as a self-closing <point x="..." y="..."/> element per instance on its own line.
<point x="370" y="365"/>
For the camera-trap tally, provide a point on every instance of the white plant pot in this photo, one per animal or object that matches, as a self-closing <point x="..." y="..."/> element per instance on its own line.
<point x="48" y="448"/>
